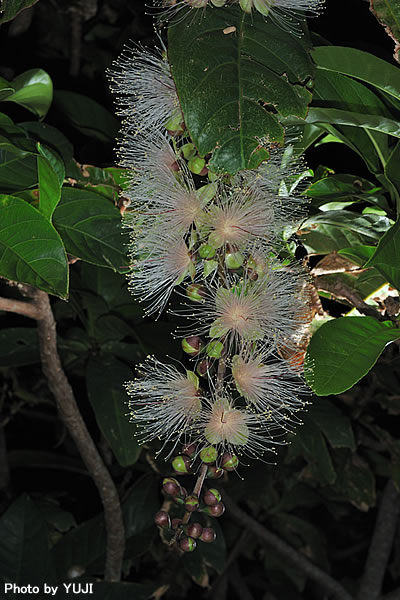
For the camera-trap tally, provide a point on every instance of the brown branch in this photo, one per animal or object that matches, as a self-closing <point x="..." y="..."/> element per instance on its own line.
<point x="27" y="309"/>
<point x="381" y="544"/>
<point x="341" y="291"/>
<point x="71" y="417"/>
<point x="330" y="585"/>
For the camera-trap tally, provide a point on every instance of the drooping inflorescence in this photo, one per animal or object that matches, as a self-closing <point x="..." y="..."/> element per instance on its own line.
<point x="216" y="240"/>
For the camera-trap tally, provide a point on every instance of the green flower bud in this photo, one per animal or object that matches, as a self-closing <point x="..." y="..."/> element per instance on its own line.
<point x="191" y="345"/>
<point x="218" y="3"/>
<point x="215" y="349"/>
<point x="212" y="497"/>
<point x="181" y="464"/>
<point x="229" y="462"/>
<point x="206" y="251"/>
<point x="188" y="150"/>
<point x="234" y="260"/>
<point x="196" y="164"/>
<point x="209" y="454"/>
<point x="246" y="5"/>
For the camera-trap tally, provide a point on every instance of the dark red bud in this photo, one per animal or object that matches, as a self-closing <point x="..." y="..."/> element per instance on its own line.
<point x="189" y="450"/>
<point x="212" y="497"/>
<point x="171" y="486"/>
<point x="187" y="544"/>
<point x="162" y="519"/>
<point x="215" y="511"/>
<point x="176" y="523"/>
<point x="208" y="535"/>
<point x="191" y="503"/>
<point x="194" y="530"/>
<point x="214" y="472"/>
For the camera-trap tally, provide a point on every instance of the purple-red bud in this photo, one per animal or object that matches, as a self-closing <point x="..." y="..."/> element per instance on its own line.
<point x="176" y="523"/>
<point x="191" y="345"/>
<point x="162" y="519"/>
<point x="191" y="503"/>
<point x="208" y="535"/>
<point x="189" y="450"/>
<point x="214" y="472"/>
<point x="203" y="367"/>
<point x="212" y="497"/>
<point x="214" y="511"/>
<point x="194" y="530"/>
<point x="229" y="462"/>
<point x="187" y="544"/>
<point x="171" y="486"/>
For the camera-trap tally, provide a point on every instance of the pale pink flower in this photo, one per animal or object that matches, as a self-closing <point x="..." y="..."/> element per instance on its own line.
<point x="286" y="13"/>
<point x="164" y="403"/>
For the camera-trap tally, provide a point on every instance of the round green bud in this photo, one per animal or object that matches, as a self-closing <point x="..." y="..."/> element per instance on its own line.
<point x="174" y="125"/>
<point x="188" y="150"/>
<point x="171" y="486"/>
<point x="214" y="472"/>
<point x="208" y="535"/>
<point x="214" y="511"/>
<point x="181" y="464"/>
<point x="218" y="3"/>
<point x="191" y="503"/>
<point x="196" y="165"/>
<point x="229" y="462"/>
<point x="191" y="345"/>
<point x="215" y="349"/>
<point x="194" y="530"/>
<point x="212" y="497"/>
<point x="209" y="455"/>
<point x="206" y="251"/>
<point x="195" y="292"/>
<point x="187" y="544"/>
<point x="234" y="260"/>
<point x="162" y="519"/>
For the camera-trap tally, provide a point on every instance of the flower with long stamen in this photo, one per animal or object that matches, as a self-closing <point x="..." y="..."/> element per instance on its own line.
<point x="285" y="13"/>
<point x="161" y="261"/>
<point x="144" y="88"/>
<point x="164" y="403"/>
<point x="268" y="309"/>
<point x="267" y="385"/>
<point x="240" y="218"/>
<point x="234" y="429"/>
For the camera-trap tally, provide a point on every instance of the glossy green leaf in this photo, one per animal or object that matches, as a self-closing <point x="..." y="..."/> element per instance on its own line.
<point x="31" y="250"/>
<point x="328" y="231"/>
<point x="345" y="187"/>
<point x="105" y="379"/>
<point x="49" y="187"/>
<point x="387" y="256"/>
<point x="87" y="115"/>
<point x="234" y="87"/>
<point x="388" y="14"/>
<point x="11" y="8"/>
<point x="358" y="254"/>
<point x="90" y="226"/>
<point x="345" y="117"/>
<point x="360" y="65"/>
<point x="24" y="546"/>
<point x="18" y="169"/>
<point x="392" y="170"/>
<point x="343" y="350"/>
<point x="33" y="90"/>
<point x="18" y="346"/>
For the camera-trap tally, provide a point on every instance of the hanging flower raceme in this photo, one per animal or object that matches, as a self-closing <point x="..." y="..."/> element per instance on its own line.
<point x="145" y="91"/>
<point x="164" y="403"/>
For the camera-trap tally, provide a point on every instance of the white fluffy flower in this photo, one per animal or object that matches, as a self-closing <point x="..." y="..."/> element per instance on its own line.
<point x="286" y="13"/>
<point x="164" y="402"/>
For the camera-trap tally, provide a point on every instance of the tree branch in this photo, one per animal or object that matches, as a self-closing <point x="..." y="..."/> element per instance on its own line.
<point x="381" y="544"/>
<point x="340" y="290"/>
<point x="27" y="309"/>
<point x="332" y="587"/>
<point x="71" y="416"/>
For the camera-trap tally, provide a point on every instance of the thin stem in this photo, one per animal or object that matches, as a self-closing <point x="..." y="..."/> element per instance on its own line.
<point x="72" y="418"/>
<point x="196" y="491"/>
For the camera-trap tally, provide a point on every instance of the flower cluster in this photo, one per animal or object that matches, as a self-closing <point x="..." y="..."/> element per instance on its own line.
<point x="216" y="240"/>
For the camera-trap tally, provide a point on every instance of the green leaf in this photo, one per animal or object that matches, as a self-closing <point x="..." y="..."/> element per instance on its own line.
<point x="18" y="346"/>
<point x="360" y="65"/>
<point x="18" y="168"/>
<point x="87" y="115"/>
<point x="392" y="170"/>
<point x="310" y="443"/>
<point x="342" y="351"/>
<point x="31" y="251"/>
<point x="49" y="187"/>
<point x="388" y="14"/>
<point x="90" y="226"/>
<point x="386" y="258"/>
<point x="335" y="426"/>
<point x="359" y="255"/>
<point x="330" y="231"/>
<point x="345" y="187"/>
<point x="345" y="117"/>
<point x="355" y="481"/>
<point x="24" y="546"/>
<point x="104" y="379"/>
<point x="11" y="8"/>
<point x="235" y="95"/>
<point x="33" y="90"/>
